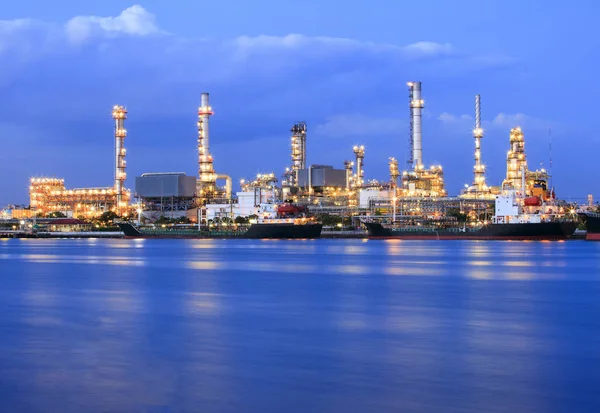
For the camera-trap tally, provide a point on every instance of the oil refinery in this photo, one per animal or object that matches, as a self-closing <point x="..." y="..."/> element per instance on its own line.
<point x="417" y="191"/>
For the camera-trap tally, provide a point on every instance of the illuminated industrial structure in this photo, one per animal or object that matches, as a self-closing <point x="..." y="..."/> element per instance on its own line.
<point x="264" y="181"/>
<point x="207" y="178"/>
<point x="348" y="168"/>
<point x="119" y="115"/>
<point x="298" y="149"/>
<point x="418" y="181"/>
<point x="516" y="162"/>
<point x="298" y="155"/>
<point x="207" y="190"/>
<point x="416" y="104"/>
<point x="48" y="195"/>
<point x="394" y="173"/>
<point x="517" y="173"/>
<point x="359" y="152"/>
<point x="479" y="188"/>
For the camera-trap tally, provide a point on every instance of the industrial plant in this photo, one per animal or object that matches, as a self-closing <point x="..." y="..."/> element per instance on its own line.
<point x="49" y="195"/>
<point x="417" y="191"/>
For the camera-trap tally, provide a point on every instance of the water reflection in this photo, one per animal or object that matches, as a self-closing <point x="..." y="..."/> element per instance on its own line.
<point x="337" y="326"/>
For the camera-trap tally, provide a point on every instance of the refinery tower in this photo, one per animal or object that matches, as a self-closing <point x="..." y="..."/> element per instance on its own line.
<point x="536" y="181"/>
<point x="419" y="181"/>
<point x="479" y="188"/>
<point x="206" y="188"/>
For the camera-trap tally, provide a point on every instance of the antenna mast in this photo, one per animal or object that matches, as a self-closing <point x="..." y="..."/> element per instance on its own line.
<point x="550" y="167"/>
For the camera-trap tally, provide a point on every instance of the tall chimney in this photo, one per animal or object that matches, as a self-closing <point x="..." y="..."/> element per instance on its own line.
<point x="479" y="170"/>
<point x="119" y="114"/>
<point x="206" y="174"/>
<point x="205" y="112"/>
<point x="416" y="107"/>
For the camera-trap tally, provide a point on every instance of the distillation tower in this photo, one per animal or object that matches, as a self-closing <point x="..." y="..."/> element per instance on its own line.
<point x="516" y="162"/>
<point x="119" y="115"/>
<point x="348" y="168"/>
<point x="359" y="152"/>
<point x="416" y="104"/>
<point x="479" y="188"/>
<point x="298" y="154"/>
<point x="394" y="173"/>
<point x="207" y="177"/>
<point x="418" y="181"/>
<point x="479" y="170"/>
<point x="536" y="182"/>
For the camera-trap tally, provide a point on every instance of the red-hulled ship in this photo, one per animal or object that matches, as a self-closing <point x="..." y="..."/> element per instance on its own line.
<point x="515" y="219"/>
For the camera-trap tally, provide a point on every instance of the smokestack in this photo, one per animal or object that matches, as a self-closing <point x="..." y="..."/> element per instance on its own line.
<point x="359" y="151"/>
<point x="348" y="167"/>
<point x="479" y="171"/>
<point x="119" y="114"/>
<point x="205" y="113"/>
<point x="206" y="173"/>
<point x="477" y="112"/>
<point x="298" y="150"/>
<point x="416" y="107"/>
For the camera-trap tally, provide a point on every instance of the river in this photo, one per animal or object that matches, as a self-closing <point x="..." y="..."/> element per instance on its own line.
<point x="299" y="326"/>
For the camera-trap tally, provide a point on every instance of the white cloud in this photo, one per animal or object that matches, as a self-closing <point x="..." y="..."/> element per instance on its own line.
<point x="450" y="118"/>
<point x="155" y="73"/>
<point x="358" y="125"/>
<point x="500" y="121"/>
<point x="422" y="49"/>
<point x="137" y="22"/>
<point x="296" y="41"/>
<point x="134" y="20"/>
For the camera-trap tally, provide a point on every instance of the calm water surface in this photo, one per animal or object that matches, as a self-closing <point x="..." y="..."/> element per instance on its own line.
<point x="299" y="326"/>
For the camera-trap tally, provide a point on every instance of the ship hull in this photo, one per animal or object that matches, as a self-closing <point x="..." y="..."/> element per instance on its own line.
<point x="514" y="232"/>
<point x="283" y="231"/>
<point x="592" y="223"/>
<point x="255" y="231"/>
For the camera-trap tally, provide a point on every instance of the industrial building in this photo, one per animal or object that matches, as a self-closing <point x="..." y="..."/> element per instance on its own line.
<point x="317" y="178"/>
<point x="170" y="194"/>
<point x="49" y="195"/>
<point x="256" y="197"/>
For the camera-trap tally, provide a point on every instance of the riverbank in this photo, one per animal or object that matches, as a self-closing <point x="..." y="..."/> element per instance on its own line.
<point x="54" y="235"/>
<point x="578" y="235"/>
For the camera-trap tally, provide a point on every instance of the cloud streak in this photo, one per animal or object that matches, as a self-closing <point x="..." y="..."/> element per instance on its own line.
<point x="359" y="125"/>
<point x="500" y="121"/>
<point x="135" y="21"/>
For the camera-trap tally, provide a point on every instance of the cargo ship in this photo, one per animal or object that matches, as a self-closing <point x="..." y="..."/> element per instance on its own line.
<point x="290" y="222"/>
<point x="592" y="223"/>
<point x="515" y="218"/>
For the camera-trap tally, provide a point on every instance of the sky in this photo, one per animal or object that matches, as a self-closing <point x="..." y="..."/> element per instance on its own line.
<point x="340" y="66"/>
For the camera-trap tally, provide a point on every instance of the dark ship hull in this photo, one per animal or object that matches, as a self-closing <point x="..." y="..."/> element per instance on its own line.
<point x="537" y="231"/>
<point x="592" y="223"/>
<point x="255" y="231"/>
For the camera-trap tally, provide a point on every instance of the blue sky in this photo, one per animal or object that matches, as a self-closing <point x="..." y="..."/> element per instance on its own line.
<point x="340" y="66"/>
